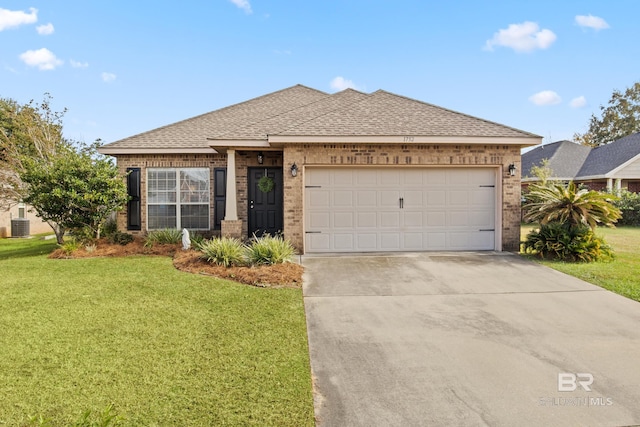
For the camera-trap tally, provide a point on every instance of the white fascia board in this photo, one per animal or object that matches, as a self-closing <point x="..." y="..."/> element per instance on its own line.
<point x="122" y="151"/>
<point x="408" y="139"/>
<point x="615" y="171"/>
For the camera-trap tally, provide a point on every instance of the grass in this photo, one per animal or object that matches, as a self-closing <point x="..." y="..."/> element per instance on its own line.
<point x="622" y="275"/>
<point x="164" y="347"/>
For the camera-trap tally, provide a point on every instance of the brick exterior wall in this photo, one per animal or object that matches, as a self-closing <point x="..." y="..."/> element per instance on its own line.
<point x="244" y="160"/>
<point x="334" y="155"/>
<point x="401" y="155"/>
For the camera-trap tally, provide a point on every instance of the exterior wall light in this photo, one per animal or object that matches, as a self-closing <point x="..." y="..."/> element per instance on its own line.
<point x="294" y="170"/>
<point x="512" y="169"/>
<point x="260" y="157"/>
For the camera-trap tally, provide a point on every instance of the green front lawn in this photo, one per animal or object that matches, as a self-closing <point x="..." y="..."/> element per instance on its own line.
<point x="621" y="276"/>
<point x="163" y="346"/>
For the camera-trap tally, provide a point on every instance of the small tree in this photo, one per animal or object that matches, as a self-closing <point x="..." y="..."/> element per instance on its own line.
<point x="75" y="190"/>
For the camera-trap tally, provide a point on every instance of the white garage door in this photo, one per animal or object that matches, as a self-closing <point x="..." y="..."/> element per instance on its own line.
<point x="411" y="209"/>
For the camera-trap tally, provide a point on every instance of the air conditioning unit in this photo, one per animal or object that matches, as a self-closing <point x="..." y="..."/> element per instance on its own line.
<point x="19" y="227"/>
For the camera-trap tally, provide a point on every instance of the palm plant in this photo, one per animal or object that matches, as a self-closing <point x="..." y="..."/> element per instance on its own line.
<point x="568" y="216"/>
<point x="569" y="205"/>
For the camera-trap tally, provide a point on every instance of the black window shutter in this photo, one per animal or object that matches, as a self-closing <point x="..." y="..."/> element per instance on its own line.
<point x="134" y="220"/>
<point x="219" y="195"/>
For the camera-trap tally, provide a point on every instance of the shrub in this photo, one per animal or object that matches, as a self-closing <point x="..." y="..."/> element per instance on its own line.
<point x="120" y="238"/>
<point x="557" y="240"/>
<point x="109" y="228"/>
<point x="163" y="236"/>
<point x="629" y="205"/>
<point x="269" y="250"/>
<point x="224" y="251"/>
<point x="70" y="246"/>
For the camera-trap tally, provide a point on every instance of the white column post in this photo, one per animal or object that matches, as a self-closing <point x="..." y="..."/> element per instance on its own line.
<point x="610" y="185"/>
<point x="231" y="209"/>
<point x="618" y="186"/>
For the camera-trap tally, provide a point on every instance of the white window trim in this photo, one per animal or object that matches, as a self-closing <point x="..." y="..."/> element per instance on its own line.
<point x="178" y="203"/>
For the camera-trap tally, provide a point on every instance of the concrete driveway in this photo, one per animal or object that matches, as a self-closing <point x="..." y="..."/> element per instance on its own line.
<point x="467" y="339"/>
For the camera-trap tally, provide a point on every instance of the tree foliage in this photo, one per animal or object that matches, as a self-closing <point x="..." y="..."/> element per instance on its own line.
<point x="68" y="184"/>
<point x="568" y="204"/>
<point x="76" y="190"/>
<point x="27" y="131"/>
<point x="621" y="117"/>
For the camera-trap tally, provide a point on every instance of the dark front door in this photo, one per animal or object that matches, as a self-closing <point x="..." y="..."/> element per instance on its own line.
<point x="265" y="209"/>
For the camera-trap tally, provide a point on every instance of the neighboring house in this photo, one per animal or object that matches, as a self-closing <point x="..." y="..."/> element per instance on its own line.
<point x="353" y="172"/>
<point x="19" y="210"/>
<point x="613" y="166"/>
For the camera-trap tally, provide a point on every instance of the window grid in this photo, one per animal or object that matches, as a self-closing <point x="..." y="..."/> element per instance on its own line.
<point x="173" y="206"/>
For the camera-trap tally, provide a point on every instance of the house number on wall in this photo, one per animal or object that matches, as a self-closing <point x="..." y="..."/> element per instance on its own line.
<point x="408" y="139"/>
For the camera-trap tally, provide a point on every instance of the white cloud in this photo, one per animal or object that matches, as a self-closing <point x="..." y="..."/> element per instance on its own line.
<point x="578" y="102"/>
<point x="546" y="97"/>
<point x="45" y="30"/>
<point x="523" y="37"/>
<point x="43" y="58"/>
<point x="15" y="18"/>
<point x="108" y="77"/>
<point x="340" y="83"/>
<point x="591" y="21"/>
<point x="78" y="64"/>
<point x="243" y="4"/>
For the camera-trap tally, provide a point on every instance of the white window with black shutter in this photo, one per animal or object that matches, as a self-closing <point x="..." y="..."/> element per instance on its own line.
<point x="178" y="198"/>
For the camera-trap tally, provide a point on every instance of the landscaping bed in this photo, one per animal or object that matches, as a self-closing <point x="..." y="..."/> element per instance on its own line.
<point x="191" y="261"/>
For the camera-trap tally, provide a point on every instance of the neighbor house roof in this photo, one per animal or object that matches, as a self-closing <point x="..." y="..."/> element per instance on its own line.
<point x="606" y="158"/>
<point x="302" y="114"/>
<point x="565" y="159"/>
<point x="569" y="160"/>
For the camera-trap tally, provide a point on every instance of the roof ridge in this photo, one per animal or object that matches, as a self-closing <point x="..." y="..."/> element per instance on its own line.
<point x="298" y="124"/>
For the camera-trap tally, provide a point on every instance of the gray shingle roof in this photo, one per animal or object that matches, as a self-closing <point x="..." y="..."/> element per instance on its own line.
<point x="565" y="158"/>
<point x="303" y="111"/>
<point x="386" y="114"/>
<point x="606" y="158"/>
<point x="193" y="132"/>
<point x="574" y="161"/>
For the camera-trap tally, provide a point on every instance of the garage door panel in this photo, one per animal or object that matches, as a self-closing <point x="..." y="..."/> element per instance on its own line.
<point x="343" y="242"/>
<point x="458" y="219"/>
<point x="389" y="199"/>
<point x="343" y="198"/>
<point x="366" y="198"/>
<point x="360" y="209"/>
<point x="319" y="220"/>
<point x="318" y="198"/>
<point x="390" y="241"/>
<point x="342" y="178"/>
<point x="366" y="178"/>
<point x="436" y="219"/>
<point x="343" y="220"/>
<point x="367" y="241"/>
<point x="367" y="220"/>
<point x="414" y="219"/>
<point x="436" y="198"/>
<point x="389" y="220"/>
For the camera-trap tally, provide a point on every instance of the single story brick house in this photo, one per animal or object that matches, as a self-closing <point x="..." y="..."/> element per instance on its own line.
<point x="350" y="172"/>
<point x="613" y="166"/>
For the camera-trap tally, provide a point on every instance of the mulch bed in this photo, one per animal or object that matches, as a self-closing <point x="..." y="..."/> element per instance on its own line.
<point x="273" y="276"/>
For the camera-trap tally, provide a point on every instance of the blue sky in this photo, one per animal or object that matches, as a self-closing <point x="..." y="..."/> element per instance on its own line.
<point x="121" y="68"/>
